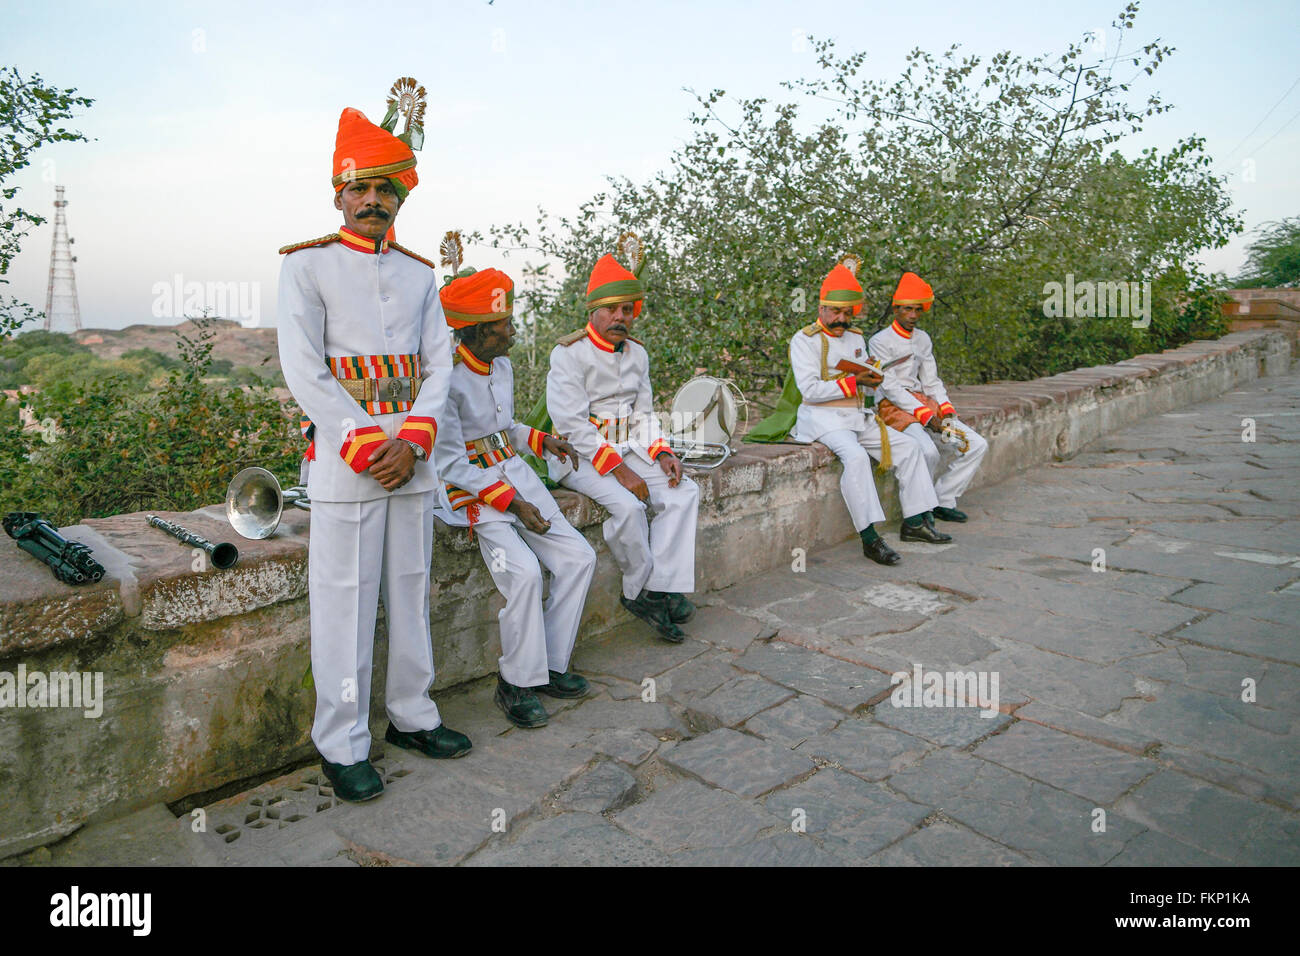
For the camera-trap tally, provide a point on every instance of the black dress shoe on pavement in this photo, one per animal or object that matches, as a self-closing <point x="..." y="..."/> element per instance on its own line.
<point x="655" y="613"/>
<point x="354" y="782"/>
<point x="441" y="743"/>
<point x="520" y="704"/>
<point x="680" y="610"/>
<point x="949" y="514"/>
<point x="923" y="532"/>
<point x="880" y="552"/>
<point x="564" y="685"/>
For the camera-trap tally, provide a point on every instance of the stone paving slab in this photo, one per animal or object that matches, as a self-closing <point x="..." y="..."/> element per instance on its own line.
<point x="944" y="844"/>
<point x="867" y="748"/>
<point x="737" y="700"/>
<point x="1081" y="767"/>
<point x="744" y="765"/>
<point x="1226" y="824"/>
<point x="795" y="721"/>
<point x="850" y="816"/>
<point x="847" y="686"/>
<point x="571" y="839"/>
<point x="689" y="815"/>
<point x="946" y="726"/>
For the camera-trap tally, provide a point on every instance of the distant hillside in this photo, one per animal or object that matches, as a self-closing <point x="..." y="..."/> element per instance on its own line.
<point x="238" y="345"/>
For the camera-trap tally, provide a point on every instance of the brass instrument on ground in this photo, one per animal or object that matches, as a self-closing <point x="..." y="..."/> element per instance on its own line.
<point x="223" y="555"/>
<point x="255" y="502"/>
<point x="955" y="436"/>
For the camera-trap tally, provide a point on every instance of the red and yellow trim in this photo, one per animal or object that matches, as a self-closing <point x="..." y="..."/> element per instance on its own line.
<point x="535" y="439"/>
<point x="606" y="460"/>
<point x="658" y="447"/>
<point x="498" y="495"/>
<point x="472" y="361"/>
<point x="924" y="414"/>
<point x="835" y="335"/>
<point x="946" y="410"/>
<point x="598" y="341"/>
<point x="360" y="443"/>
<point x="360" y="243"/>
<point x="459" y="497"/>
<point x="421" y="430"/>
<point x="899" y="330"/>
<point x="848" y="385"/>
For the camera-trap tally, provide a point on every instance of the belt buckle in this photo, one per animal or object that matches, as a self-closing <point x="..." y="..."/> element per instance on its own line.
<point x="495" y="441"/>
<point x="395" y="390"/>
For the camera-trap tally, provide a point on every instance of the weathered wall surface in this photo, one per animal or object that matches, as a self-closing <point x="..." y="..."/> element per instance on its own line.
<point x="203" y="672"/>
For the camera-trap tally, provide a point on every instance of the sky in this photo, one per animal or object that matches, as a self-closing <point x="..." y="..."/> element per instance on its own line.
<point x="213" y="123"/>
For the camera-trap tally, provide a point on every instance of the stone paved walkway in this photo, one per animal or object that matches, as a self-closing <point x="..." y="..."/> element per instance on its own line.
<point x="1158" y="698"/>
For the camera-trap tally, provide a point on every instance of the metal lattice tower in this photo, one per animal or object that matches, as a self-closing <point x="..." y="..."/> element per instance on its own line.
<point x="62" y="312"/>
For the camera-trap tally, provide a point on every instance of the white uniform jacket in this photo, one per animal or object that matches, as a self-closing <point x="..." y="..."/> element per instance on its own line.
<point x="346" y="310"/>
<point x="481" y="404"/>
<point x="599" y="398"/>
<point x="813" y="357"/>
<point x="917" y="372"/>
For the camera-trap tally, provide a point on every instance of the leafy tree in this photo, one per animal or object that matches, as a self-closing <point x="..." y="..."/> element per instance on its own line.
<point x="990" y="178"/>
<point x="1273" y="259"/>
<point x="30" y="114"/>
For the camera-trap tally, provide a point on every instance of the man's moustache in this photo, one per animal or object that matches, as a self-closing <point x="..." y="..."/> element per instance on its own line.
<point x="372" y="213"/>
<point x="616" y="327"/>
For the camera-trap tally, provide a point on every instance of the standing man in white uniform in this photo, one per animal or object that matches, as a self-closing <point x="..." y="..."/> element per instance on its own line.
<point x="521" y="529"/>
<point x="365" y="352"/>
<point x="598" y="396"/>
<point x="914" y="399"/>
<point x="825" y="358"/>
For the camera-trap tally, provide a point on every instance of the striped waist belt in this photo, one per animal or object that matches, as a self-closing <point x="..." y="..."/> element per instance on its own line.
<point x="490" y="449"/>
<point x="383" y="384"/>
<point x="611" y="429"/>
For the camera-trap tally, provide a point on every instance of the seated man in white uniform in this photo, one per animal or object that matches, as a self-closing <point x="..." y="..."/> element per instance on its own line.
<point x="491" y="489"/>
<point x="598" y="396"/>
<point x="832" y="371"/>
<point x="913" y="397"/>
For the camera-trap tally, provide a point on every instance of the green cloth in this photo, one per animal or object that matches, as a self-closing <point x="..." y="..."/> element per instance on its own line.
<point x="775" y="427"/>
<point x="540" y="419"/>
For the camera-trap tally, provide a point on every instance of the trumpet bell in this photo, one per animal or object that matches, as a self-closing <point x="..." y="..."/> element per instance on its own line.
<point x="255" y="502"/>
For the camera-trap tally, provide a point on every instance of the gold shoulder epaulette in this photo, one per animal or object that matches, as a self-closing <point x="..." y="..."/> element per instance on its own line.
<point x="456" y="359"/>
<point x="413" y="255"/>
<point x="575" y="336"/>
<point x="811" y="329"/>
<point x="322" y="241"/>
<point x="637" y="341"/>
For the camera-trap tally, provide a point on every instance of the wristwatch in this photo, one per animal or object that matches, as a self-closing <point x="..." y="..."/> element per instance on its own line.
<point x="417" y="448"/>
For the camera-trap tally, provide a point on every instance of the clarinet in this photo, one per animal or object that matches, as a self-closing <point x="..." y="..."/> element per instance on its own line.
<point x="223" y="555"/>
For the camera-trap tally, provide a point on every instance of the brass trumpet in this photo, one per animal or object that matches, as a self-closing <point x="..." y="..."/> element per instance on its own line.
<point x="255" y="502"/>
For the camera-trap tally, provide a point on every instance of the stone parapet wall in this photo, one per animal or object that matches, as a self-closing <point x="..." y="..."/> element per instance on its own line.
<point x="204" y="671"/>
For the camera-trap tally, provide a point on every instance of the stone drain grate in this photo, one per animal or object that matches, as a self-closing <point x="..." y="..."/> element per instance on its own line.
<point x="288" y="804"/>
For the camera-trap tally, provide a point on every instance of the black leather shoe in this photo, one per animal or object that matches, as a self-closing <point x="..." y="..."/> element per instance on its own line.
<point x="923" y="532"/>
<point x="565" y="685"/>
<point x="680" y="610"/>
<point x="520" y="704"/>
<point x="354" y="782"/>
<point x="441" y="743"/>
<point x="949" y="514"/>
<point x="655" y="613"/>
<point x="880" y="552"/>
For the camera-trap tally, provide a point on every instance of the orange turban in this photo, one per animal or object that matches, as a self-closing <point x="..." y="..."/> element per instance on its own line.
<point x="474" y="297"/>
<point x="841" y="288"/>
<point x="611" y="284"/>
<point x="913" y="290"/>
<point x="363" y="150"/>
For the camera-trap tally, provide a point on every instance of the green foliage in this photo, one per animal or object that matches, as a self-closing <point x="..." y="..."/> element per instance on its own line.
<point x="116" y="443"/>
<point x="30" y="114"/>
<point x="1273" y="259"/>
<point x="988" y="178"/>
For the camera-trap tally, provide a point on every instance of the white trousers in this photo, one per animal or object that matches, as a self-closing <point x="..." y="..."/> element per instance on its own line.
<point x="537" y="635"/>
<point x="358" y="551"/>
<point x="855" y="449"/>
<point x="953" y="480"/>
<point x="654" y="546"/>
